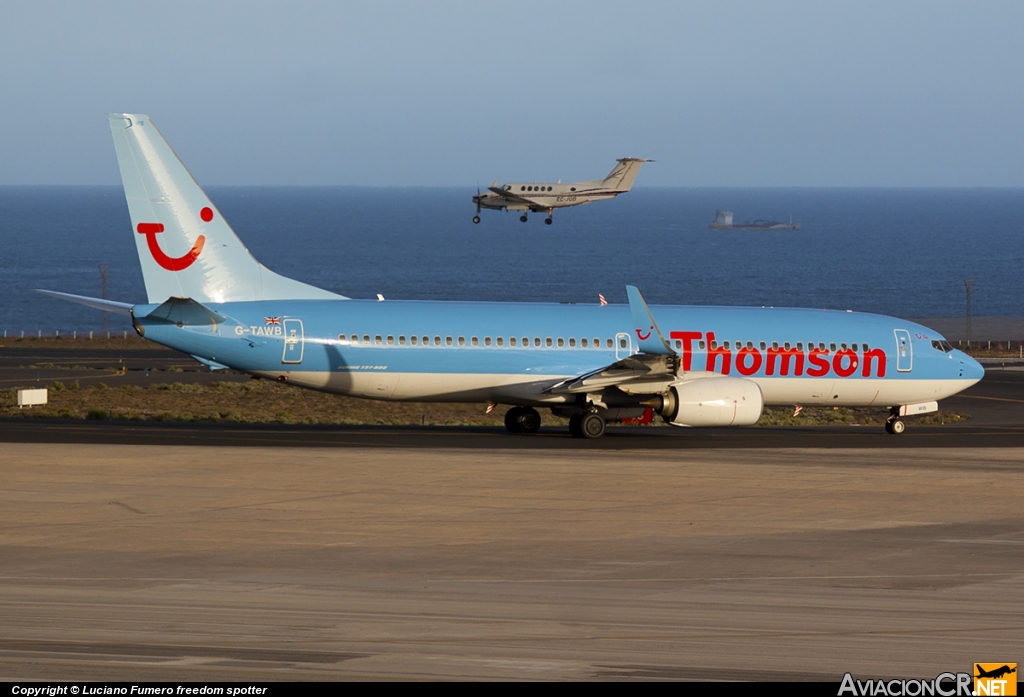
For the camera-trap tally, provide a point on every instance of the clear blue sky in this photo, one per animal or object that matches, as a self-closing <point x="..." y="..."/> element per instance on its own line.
<point x="743" y="93"/>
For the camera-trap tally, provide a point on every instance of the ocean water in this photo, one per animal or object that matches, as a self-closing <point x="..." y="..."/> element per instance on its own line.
<point x="903" y="252"/>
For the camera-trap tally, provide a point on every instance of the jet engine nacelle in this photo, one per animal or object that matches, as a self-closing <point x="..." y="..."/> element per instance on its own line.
<point x="712" y="402"/>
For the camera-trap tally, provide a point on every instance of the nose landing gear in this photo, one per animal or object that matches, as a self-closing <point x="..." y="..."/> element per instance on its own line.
<point x="895" y="425"/>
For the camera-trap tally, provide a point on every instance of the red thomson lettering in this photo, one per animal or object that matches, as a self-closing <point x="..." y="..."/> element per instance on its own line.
<point x="878" y="354"/>
<point x="742" y="367"/>
<point x="785" y="355"/>
<point x="714" y="352"/>
<point x="687" y="338"/>
<point x="837" y="363"/>
<point x="818" y="358"/>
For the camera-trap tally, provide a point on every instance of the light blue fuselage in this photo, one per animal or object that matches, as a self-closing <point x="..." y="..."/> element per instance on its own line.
<point x="468" y="351"/>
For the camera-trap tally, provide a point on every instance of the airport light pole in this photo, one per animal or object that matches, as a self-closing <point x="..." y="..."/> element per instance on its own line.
<point x="104" y="270"/>
<point x="968" y="284"/>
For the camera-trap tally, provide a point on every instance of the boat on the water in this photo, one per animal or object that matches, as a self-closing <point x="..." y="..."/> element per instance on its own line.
<point x="723" y="221"/>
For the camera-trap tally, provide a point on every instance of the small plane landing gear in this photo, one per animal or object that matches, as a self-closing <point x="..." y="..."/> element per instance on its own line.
<point x="548" y="220"/>
<point x="476" y="218"/>
<point x="895" y="426"/>
<point x="588" y="425"/>
<point x="522" y="420"/>
<point x="522" y="218"/>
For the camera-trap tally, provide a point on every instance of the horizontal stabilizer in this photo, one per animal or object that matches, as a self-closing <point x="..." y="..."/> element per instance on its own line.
<point x="186" y="312"/>
<point x="97" y="303"/>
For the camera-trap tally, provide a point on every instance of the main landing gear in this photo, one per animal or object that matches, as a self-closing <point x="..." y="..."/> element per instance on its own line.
<point x="476" y="218"/>
<point x="526" y="420"/>
<point x="522" y="420"/>
<point x="587" y="425"/>
<point x="548" y="220"/>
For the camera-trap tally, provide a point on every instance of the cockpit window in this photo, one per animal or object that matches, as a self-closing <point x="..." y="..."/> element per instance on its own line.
<point x="941" y="346"/>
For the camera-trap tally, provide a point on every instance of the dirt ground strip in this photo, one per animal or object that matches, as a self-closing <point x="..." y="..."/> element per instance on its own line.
<point x="201" y="563"/>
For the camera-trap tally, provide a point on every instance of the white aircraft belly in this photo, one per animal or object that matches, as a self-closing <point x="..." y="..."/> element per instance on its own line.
<point x="529" y="389"/>
<point x="856" y="393"/>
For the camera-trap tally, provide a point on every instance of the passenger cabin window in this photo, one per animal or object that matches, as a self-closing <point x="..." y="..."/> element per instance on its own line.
<point x="610" y="343"/>
<point x="412" y="340"/>
<point x="547" y="342"/>
<point x="355" y="338"/>
<point x="487" y="341"/>
<point x="448" y="341"/>
<point x="366" y="339"/>
<point x="623" y="343"/>
<point x="500" y="341"/>
<point x="511" y="341"/>
<point x="832" y="346"/>
<point x="572" y="342"/>
<point x="700" y="344"/>
<point x="401" y="341"/>
<point x="391" y="340"/>
<point x="377" y="340"/>
<point x="597" y="343"/>
<point x="583" y="343"/>
<point x="536" y="341"/>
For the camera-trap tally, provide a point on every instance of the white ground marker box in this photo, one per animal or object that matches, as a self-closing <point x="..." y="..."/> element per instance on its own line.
<point x="30" y="398"/>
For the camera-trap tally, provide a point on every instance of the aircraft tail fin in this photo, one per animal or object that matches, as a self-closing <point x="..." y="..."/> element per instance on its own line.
<point x="185" y="246"/>
<point x="622" y="177"/>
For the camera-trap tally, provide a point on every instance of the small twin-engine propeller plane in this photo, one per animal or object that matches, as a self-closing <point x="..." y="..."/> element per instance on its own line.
<point x="694" y="366"/>
<point x="545" y="198"/>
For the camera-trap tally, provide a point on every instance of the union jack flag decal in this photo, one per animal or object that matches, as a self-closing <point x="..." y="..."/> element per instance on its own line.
<point x="272" y="320"/>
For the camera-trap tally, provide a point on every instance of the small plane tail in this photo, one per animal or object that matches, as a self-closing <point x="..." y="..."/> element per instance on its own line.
<point x="622" y="177"/>
<point x="185" y="246"/>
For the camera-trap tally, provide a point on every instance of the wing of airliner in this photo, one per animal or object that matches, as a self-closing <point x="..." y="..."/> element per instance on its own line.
<point x="646" y="372"/>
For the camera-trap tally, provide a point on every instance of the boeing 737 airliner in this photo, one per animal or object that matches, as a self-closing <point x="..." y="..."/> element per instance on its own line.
<point x="694" y="366"/>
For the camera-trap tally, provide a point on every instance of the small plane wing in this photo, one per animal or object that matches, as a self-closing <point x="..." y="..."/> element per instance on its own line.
<point x="516" y="198"/>
<point x="97" y="303"/>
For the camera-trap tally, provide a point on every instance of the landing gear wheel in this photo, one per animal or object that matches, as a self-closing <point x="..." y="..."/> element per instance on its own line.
<point x="512" y="420"/>
<point x="529" y="420"/>
<point x="895" y="426"/>
<point x="592" y="426"/>
<point x="575" y="427"/>
<point x="476" y="218"/>
<point x="522" y="420"/>
<point x="548" y="221"/>
<point x="522" y="218"/>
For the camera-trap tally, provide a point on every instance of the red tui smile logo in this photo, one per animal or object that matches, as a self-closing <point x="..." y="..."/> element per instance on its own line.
<point x="643" y="337"/>
<point x="151" y="230"/>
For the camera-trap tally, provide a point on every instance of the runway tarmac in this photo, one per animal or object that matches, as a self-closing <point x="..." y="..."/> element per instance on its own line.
<point x="182" y="552"/>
